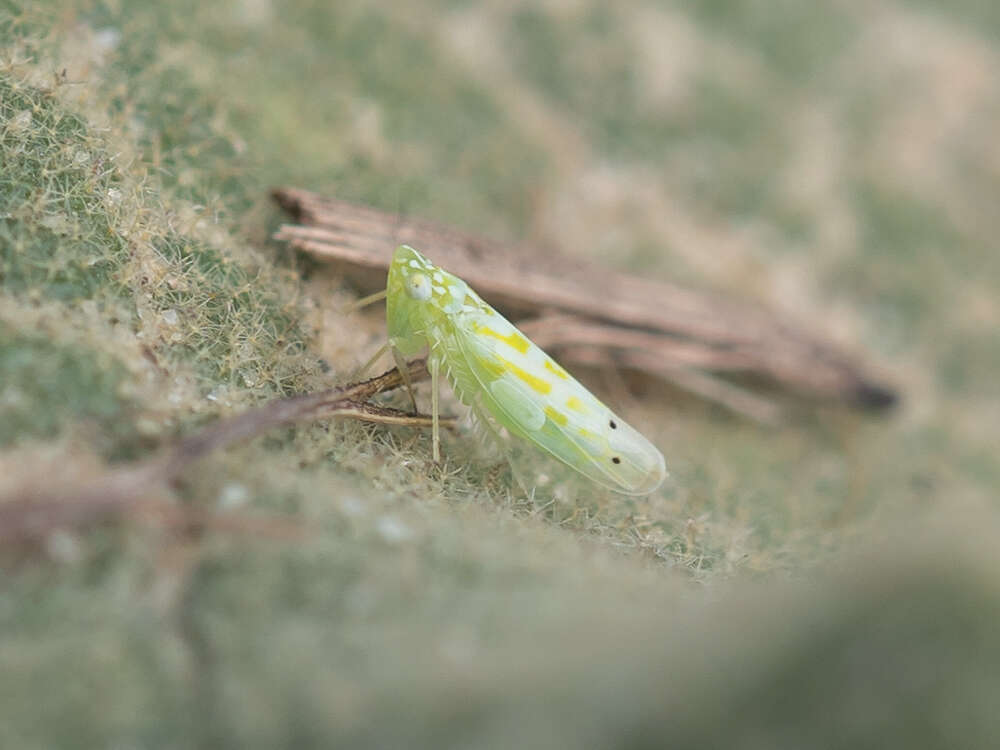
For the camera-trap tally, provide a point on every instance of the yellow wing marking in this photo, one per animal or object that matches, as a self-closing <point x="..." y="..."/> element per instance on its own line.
<point x="576" y="404"/>
<point x="515" y="340"/>
<point x="556" y="370"/>
<point x="556" y="416"/>
<point x="491" y="366"/>
<point x="535" y="383"/>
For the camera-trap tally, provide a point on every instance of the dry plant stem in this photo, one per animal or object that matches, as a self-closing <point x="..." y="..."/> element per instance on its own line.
<point x="169" y="514"/>
<point x="36" y="512"/>
<point x="347" y="401"/>
<point x="601" y="344"/>
<point x="707" y="386"/>
<point x="690" y="328"/>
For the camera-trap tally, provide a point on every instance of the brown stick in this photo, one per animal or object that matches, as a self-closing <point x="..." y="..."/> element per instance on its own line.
<point x="34" y="513"/>
<point x="679" y="327"/>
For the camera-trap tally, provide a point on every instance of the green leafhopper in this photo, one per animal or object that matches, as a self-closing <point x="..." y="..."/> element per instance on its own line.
<point x="507" y="381"/>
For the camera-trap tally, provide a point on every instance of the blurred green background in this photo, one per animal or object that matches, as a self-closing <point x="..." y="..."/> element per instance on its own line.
<point x="832" y="582"/>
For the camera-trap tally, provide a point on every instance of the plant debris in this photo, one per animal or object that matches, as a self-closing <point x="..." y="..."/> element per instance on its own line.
<point x="34" y="512"/>
<point x="591" y="315"/>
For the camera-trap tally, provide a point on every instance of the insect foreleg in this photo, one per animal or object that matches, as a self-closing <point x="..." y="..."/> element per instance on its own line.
<point x="372" y="360"/>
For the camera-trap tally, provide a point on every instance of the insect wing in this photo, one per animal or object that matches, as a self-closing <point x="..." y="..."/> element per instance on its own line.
<point x="534" y="398"/>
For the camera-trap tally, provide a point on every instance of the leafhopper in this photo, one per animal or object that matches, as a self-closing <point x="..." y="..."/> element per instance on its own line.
<point x="506" y="380"/>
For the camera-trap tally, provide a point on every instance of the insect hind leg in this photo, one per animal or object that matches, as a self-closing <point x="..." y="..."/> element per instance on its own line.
<point x="493" y="436"/>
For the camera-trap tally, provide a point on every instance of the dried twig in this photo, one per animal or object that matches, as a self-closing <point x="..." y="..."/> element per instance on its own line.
<point x="35" y="512"/>
<point x="654" y="326"/>
<point x="351" y="401"/>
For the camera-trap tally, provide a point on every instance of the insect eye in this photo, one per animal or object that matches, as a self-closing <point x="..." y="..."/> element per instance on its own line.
<point x="418" y="287"/>
<point x="612" y="425"/>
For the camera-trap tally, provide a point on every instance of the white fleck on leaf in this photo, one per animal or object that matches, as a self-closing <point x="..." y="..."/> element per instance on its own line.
<point x="233" y="495"/>
<point x="392" y="530"/>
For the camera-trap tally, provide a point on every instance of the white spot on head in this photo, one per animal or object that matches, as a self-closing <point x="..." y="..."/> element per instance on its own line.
<point x="439" y="289"/>
<point x="438" y="277"/>
<point x="449" y="304"/>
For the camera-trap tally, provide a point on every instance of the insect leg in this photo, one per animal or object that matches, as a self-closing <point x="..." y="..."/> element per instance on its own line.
<point x="374" y="358"/>
<point x="434" y="366"/>
<point x="404" y="371"/>
<point x="364" y="302"/>
<point x="493" y="437"/>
